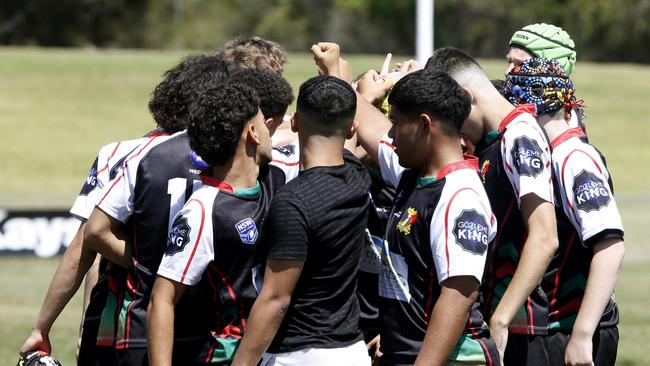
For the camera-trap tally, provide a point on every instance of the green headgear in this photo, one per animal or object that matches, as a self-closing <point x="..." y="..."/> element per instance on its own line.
<point x="547" y="41"/>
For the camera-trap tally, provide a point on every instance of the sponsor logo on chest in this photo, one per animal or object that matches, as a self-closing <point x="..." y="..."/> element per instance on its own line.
<point x="590" y="192"/>
<point x="471" y="232"/>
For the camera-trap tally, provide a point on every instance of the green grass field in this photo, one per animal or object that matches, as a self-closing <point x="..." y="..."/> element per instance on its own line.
<point x="57" y="107"/>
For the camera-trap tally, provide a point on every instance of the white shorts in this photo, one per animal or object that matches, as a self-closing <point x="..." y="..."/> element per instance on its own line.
<point x="353" y="355"/>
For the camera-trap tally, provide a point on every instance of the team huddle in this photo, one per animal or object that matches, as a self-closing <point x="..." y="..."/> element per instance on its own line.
<point x="426" y="216"/>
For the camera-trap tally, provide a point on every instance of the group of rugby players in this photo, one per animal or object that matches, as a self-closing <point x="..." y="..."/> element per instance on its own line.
<point x="422" y="216"/>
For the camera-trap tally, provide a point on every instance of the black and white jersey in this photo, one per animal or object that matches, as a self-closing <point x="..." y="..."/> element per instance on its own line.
<point x="155" y="184"/>
<point x="287" y="157"/>
<point x="381" y="201"/>
<point x="106" y="167"/>
<point x="515" y="163"/>
<point x="212" y="243"/>
<point x="438" y="228"/>
<point x="587" y="214"/>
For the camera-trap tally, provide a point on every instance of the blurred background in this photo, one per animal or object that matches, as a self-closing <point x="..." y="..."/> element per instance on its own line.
<point x="76" y="75"/>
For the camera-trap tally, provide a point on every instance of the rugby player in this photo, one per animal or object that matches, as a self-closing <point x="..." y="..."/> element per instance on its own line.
<point x="515" y="164"/>
<point x="307" y="311"/>
<point x="580" y="281"/>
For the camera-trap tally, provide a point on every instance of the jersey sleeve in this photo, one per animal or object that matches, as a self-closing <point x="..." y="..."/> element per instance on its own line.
<point x="189" y="248"/>
<point x="460" y="233"/>
<point x="527" y="160"/>
<point x="118" y="195"/>
<point x="589" y="201"/>
<point x="86" y="200"/>
<point x="388" y="160"/>
<point x="288" y="228"/>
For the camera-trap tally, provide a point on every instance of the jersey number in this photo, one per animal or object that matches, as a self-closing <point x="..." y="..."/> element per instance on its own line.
<point x="176" y="188"/>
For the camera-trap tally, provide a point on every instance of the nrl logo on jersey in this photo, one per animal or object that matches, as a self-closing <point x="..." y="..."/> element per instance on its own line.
<point x="471" y="232"/>
<point x="178" y="236"/>
<point x="404" y="225"/>
<point x="247" y="231"/>
<point x="590" y="192"/>
<point x="527" y="156"/>
<point x="91" y="181"/>
<point x="286" y="150"/>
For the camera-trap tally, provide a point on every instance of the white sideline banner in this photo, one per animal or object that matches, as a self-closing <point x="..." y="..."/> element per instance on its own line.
<point x="36" y="233"/>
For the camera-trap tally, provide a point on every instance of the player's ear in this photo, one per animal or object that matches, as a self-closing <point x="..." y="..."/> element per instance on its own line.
<point x="294" y="121"/>
<point x="352" y="129"/>
<point x="425" y="122"/>
<point x="252" y="134"/>
<point x="472" y="97"/>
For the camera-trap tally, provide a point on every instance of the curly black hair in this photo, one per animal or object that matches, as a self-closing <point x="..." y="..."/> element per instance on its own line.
<point x="170" y="100"/>
<point x="273" y="90"/>
<point x="217" y="119"/>
<point x="434" y="93"/>
<point x="327" y="101"/>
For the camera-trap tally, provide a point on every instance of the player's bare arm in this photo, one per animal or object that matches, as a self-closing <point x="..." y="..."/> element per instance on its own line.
<point x="448" y="320"/>
<point x="160" y="321"/>
<point x="540" y="245"/>
<point x="105" y="236"/>
<point x="66" y="281"/>
<point x="603" y="273"/>
<point x="326" y="55"/>
<point x="372" y="127"/>
<point x="269" y="309"/>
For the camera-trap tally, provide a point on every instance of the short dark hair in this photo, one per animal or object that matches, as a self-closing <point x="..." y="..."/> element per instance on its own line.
<point x="327" y="102"/>
<point x="217" y="119"/>
<point x="254" y="52"/>
<point x="170" y="100"/>
<point x="450" y="60"/>
<point x="434" y="93"/>
<point x="273" y="90"/>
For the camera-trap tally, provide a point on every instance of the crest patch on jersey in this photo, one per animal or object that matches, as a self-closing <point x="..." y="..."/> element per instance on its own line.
<point x="178" y="236"/>
<point x="590" y="192"/>
<point x="471" y="232"/>
<point x="527" y="156"/>
<point x="404" y="225"/>
<point x="247" y="231"/>
<point x="286" y="150"/>
<point x="484" y="169"/>
<point x="91" y="180"/>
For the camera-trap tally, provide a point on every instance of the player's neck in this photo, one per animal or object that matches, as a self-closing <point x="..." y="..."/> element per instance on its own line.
<point x="553" y="124"/>
<point x="497" y="109"/>
<point x="444" y="152"/>
<point x="318" y="150"/>
<point x="240" y="172"/>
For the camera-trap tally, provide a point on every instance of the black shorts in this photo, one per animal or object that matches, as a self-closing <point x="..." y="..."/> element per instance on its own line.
<point x="527" y="350"/>
<point x="605" y="345"/>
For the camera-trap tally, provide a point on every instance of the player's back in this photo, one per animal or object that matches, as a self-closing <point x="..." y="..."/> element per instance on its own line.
<point x="156" y="183"/>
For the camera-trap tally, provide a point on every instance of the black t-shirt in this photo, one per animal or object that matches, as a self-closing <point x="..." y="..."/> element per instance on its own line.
<point x="320" y="217"/>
